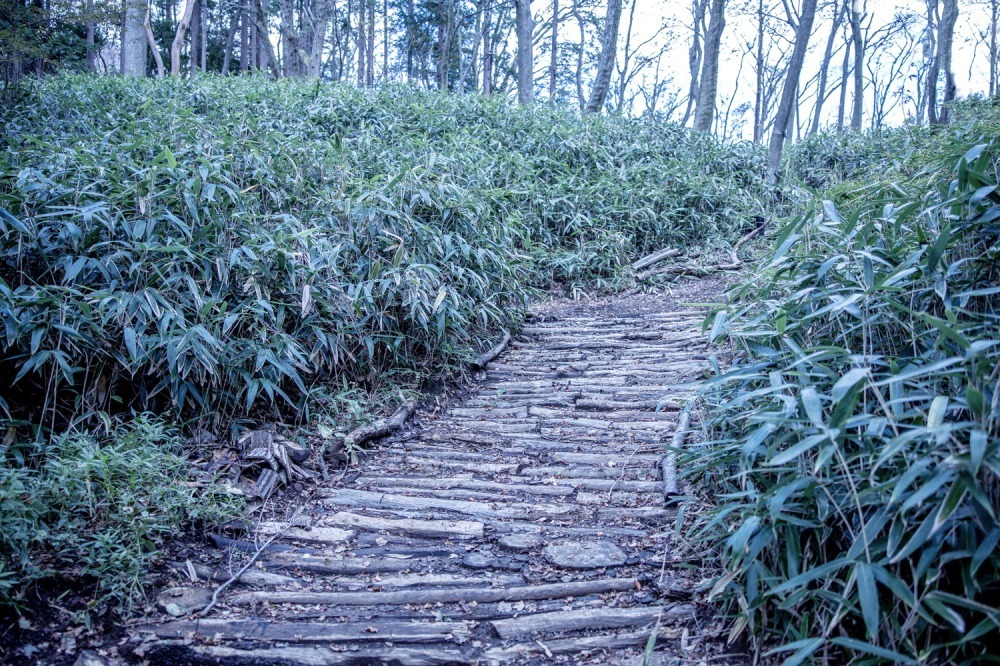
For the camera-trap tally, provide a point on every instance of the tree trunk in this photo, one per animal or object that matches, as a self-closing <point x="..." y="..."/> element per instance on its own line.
<point x="292" y="63"/>
<point x="264" y="41"/>
<point x="203" y="24"/>
<point x="626" y="60"/>
<point x="994" y="10"/>
<point x="89" y="8"/>
<point x="758" y="102"/>
<point x="838" y="18"/>
<point x="370" y="78"/>
<point x="487" y="51"/>
<point x="244" y="38"/>
<point x="151" y="40"/>
<point x="857" y="40"/>
<point x="362" y="49"/>
<point x="934" y="69"/>
<point x="579" y="55"/>
<point x="705" y="109"/>
<point x="134" y="39"/>
<point x="553" y="61"/>
<point x="227" y="56"/>
<point x="525" y="61"/>
<point x="606" y="64"/>
<point x="410" y="20"/>
<point x="694" y="55"/>
<point x="946" y="37"/>
<point x="195" y="37"/>
<point x="844" y="69"/>
<point x="789" y="91"/>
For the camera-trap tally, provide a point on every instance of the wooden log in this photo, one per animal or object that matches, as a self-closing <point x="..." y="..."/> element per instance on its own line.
<point x="459" y="595"/>
<point x="382" y="427"/>
<point x="601" y="405"/>
<point x="484" y="360"/>
<point x="310" y="632"/>
<point x="599" y="643"/>
<point x="461" y="530"/>
<point x="470" y="484"/>
<point x="249" y="577"/>
<point x="330" y="565"/>
<point x="315" y="656"/>
<point x="421" y="580"/>
<point x="670" y="459"/>
<point x="655" y="257"/>
<point x="314" y="535"/>
<point x="373" y="500"/>
<point x="596" y="618"/>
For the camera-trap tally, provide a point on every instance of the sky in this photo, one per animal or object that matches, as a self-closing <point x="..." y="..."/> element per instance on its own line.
<point x="736" y="79"/>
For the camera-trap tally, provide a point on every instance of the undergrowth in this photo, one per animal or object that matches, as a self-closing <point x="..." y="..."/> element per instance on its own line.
<point x="225" y="247"/>
<point x="855" y="436"/>
<point x="97" y="509"/>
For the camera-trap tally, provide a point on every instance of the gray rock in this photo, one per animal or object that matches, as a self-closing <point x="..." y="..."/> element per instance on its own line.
<point x="584" y="555"/>
<point x="178" y="601"/>
<point x="478" y="561"/>
<point x="522" y="541"/>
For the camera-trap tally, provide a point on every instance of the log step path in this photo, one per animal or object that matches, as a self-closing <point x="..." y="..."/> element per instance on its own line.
<point x="525" y="525"/>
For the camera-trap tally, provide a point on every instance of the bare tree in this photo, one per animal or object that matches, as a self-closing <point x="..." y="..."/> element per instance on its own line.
<point x="705" y="108"/>
<point x="178" y="44"/>
<point x="698" y="9"/>
<point x="525" y="61"/>
<point x="946" y="37"/>
<point x="838" y="17"/>
<point x="606" y="65"/>
<point x="789" y="92"/>
<point x="858" y="42"/>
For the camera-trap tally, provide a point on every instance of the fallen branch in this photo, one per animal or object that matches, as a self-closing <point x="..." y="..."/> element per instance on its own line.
<point x="382" y="427"/>
<point x="236" y="576"/>
<point x="656" y="257"/>
<point x="484" y="360"/>
<point x="670" y="460"/>
<point x="734" y="262"/>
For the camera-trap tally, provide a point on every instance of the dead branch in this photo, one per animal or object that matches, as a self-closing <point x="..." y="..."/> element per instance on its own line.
<point x="382" y="427"/>
<point x="483" y="360"/>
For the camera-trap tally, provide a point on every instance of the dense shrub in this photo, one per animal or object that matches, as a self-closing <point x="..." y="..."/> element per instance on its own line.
<point x="856" y="434"/>
<point x="220" y="246"/>
<point x="99" y="508"/>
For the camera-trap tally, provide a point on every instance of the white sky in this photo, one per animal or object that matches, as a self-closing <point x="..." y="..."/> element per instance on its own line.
<point x="971" y="73"/>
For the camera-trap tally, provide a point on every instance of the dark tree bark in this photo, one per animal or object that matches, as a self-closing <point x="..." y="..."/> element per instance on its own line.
<point x="227" y="56"/>
<point x="845" y="69"/>
<point x="946" y="37"/>
<point x="790" y="90"/>
<point x="244" y="38"/>
<point x="606" y="64"/>
<point x="195" y="37"/>
<point x="525" y="60"/>
<point x="91" y="26"/>
<point x="704" y="111"/>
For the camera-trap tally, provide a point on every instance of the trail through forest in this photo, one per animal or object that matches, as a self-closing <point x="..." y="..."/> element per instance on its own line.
<point x="525" y="523"/>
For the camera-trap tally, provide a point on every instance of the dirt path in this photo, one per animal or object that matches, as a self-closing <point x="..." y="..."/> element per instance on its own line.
<point x="525" y="525"/>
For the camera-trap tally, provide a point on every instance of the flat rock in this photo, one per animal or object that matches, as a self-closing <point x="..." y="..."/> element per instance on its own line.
<point x="520" y="541"/>
<point x="178" y="601"/>
<point x="478" y="561"/>
<point x="584" y="554"/>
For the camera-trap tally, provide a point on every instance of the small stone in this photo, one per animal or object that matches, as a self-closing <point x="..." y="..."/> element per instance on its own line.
<point x="579" y="555"/>
<point x="90" y="658"/>
<point x="523" y="541"/>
